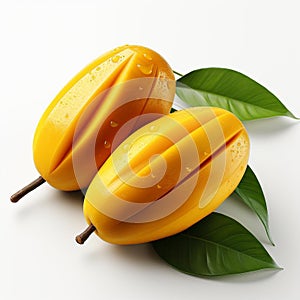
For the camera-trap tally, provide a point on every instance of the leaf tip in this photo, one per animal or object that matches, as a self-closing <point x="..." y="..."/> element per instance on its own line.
<point x="278" y="268"/>
<point x="269" y="237"/>
<point x="291" y="115"/>
<point x="275" y="266"/>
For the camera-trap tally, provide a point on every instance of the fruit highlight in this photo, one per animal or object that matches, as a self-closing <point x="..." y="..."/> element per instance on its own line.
<point x="166" y="176"/>
<point x="130" y="85"/>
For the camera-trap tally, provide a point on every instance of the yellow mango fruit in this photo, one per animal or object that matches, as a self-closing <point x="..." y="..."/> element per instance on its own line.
<point x="167" y="176"/>
<point x="110" y="98"/>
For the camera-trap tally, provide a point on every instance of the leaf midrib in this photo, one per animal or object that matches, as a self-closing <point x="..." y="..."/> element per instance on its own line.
<point x="225" y="247"/>
<point x="233" y="99"/>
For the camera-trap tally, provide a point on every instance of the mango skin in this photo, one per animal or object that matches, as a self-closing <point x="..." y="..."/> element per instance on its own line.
<point x="203" y="153"/>
<point x="76" y="132"/>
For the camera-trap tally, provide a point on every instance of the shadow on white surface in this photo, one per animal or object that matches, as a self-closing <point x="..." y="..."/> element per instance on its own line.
<point x="267" y="127"/>
<point x="250" y="277"/>
<point x="48" y="199"/>
<point x="143" y="257"/>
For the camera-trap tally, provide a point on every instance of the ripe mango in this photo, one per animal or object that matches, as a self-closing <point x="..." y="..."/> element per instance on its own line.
<point x="167" y="176"/>
<point x="76" y="133"/>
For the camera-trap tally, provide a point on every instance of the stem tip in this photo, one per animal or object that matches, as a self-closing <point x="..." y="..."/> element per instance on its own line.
<point x="25" y="190"/>
<point x="82" y="237"/>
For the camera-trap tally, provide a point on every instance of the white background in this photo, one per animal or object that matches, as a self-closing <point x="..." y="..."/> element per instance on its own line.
<point x="44" y="45"/>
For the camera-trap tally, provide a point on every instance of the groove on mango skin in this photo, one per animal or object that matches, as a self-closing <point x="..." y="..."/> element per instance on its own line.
<point x="116" y="186"/>
<point x="152" y="141"/>
<point x="193" y="173"/>
<point x="133" y="233"/>
<point x="89" y="124"/>
<point x="203" y="164"/>
<point x="71" y="83"/>
<point x="90" y="135"/>
<point x="64" y="139"/>
<point x="186" y="213"/>
<point x="55" y="140"/>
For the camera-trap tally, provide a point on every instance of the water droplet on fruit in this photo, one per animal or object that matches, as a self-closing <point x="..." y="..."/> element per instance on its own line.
<point x="116" y="58"/>
<point x="141" y="88"/>
<point x="158" y="186"/>
<point x="113" y="124"/>
<point x="188" y="169"/>
<point x="169" y="85"/>
<point x="147" y="56"/>
<point x="205" y="153"/>
<point x="106" y="144"/>
<point x="126" y="147"/>
<point x="147" y="70"/>
<point x="153" y="128"/>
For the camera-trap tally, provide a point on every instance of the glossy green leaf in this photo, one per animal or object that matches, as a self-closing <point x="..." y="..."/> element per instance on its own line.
<point x="250" y="192"/>
<point x="217" y="245"/>
<point x="232" y="91"/>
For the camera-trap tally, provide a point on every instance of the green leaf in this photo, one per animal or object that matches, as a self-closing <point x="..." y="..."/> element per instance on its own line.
<point x="249" y="190"/>
<point x="232" y="91"/>
<point x="217" y="245"/>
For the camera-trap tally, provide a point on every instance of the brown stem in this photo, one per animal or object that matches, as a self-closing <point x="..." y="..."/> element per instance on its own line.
<point x="28" y="188"/>
<point x="82" y="237"/>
